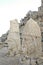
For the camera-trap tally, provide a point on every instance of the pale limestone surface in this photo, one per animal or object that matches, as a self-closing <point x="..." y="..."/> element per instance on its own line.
<point x="31" y="43"/>
<point x="14" y="37"/>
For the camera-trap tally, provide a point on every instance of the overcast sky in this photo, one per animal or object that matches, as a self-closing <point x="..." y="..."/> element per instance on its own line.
<point x="11" y="9"/>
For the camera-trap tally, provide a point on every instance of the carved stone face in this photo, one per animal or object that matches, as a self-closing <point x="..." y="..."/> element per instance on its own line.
<point x="31" y="42"/>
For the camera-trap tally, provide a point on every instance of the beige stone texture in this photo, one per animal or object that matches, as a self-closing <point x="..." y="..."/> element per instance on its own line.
<point x="14" y="38"/>
<point x="31" y="43"/>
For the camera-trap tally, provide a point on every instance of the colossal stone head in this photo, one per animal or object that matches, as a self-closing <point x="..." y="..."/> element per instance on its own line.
<point x="31" y="43"/>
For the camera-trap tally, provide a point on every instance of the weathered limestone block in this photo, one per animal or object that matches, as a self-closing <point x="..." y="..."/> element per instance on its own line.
<point x="14" y="38"/>
<point x="31" y="43"/>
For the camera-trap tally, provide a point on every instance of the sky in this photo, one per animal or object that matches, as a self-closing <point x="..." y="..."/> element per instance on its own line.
<point x="15" y="9"/>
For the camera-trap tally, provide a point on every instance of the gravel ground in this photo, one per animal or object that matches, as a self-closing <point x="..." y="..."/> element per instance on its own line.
<point x="4" y="60"/>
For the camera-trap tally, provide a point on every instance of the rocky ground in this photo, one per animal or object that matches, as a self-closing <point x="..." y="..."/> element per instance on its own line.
<point x="15" y="60"/>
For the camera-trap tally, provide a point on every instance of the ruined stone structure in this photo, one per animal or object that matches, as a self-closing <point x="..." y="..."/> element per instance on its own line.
<point x="29" y="43"/>
<point x="13" y="39"/>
